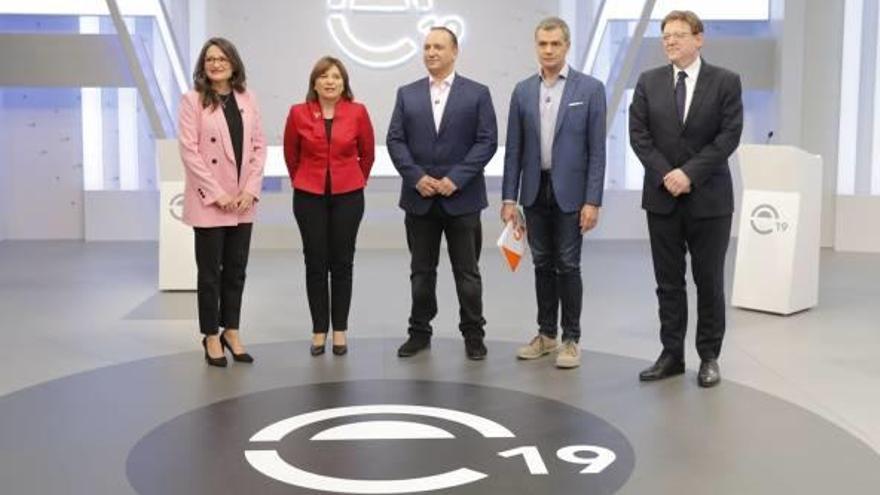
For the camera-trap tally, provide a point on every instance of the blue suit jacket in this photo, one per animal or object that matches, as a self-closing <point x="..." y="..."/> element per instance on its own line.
<point x="578" y="163"/>
<point x="464" y="144"/>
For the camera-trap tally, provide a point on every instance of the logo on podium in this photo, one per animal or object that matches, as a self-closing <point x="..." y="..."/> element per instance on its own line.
<point x="765" y="220"/>
<point x="175" y="207"/>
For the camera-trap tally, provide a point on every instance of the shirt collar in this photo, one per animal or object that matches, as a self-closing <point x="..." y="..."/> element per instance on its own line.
<point x="447" y="82"/>
<point x="692" y="70"/>
<point x="563" y="74"/>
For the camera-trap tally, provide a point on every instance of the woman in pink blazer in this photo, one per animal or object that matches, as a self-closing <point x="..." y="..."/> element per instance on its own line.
<point x="223" y="150"/>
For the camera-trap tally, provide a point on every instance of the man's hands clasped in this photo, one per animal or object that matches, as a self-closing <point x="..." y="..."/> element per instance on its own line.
<point x="428" y="186"/>
<point x="677" y="182"/>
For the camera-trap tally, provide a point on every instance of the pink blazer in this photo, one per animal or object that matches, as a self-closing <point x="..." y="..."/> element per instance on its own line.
<point x="209" y="160"/>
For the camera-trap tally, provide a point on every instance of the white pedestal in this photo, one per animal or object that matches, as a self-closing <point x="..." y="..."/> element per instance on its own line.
<point x="777" y="257"/>
<point x="177" y="262"/>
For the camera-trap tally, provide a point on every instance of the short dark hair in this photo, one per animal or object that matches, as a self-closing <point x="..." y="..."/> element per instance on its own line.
<point x="323" y="65"/>
<point x="200" y="77"/>
<point x="448" y="31"/>
<point x="551" y="23"/>
<point x="684" y="15"/>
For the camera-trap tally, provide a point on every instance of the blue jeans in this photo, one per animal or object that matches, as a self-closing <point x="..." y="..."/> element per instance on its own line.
<point x="555" y="240"/>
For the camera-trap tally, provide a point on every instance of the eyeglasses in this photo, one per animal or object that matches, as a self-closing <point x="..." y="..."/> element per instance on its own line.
<point x="677" y="36"/>
<point x="216" y="60"/>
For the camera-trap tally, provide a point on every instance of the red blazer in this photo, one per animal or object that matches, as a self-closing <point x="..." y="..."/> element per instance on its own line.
<point x="209" y="160"/>
<point x="349" y="155"/>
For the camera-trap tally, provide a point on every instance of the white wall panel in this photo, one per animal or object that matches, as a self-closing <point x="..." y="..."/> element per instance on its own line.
<point x="821" y="99"/>
<point x="43" y="160"/>
<point x="280" y="41"/>
<point x="4" y="176"/>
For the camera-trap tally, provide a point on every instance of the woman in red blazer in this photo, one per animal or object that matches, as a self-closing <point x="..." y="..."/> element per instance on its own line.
<point x="329" y="149"/>
<point x="223" y="151"/>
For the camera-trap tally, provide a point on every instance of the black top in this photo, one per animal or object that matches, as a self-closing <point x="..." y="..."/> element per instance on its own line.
<point x="236" y="128"/>
<point x="328" y="129"/>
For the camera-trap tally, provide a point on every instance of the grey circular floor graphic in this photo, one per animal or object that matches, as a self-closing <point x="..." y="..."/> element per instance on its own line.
<point x="369" y="422"/>
<point x="384" y="436"/>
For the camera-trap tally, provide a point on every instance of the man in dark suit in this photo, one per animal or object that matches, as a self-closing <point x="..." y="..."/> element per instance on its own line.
<point x="441" y="136"/>
<point x="555" y="164"/>
<point x="686" y="119"/>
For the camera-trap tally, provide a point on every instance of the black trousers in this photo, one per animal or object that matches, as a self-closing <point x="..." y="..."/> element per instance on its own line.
<point x="221" y="258"/>
<point x="672" y="237"/>
<point x="464" y="242"/>
<point x="328" y="224"/>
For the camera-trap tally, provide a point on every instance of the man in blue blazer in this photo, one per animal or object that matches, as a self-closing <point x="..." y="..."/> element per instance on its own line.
<point x="555" y="166"/>
<point x="441" y="136"/>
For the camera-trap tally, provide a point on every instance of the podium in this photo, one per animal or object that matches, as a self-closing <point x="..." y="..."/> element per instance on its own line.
<point x="777" y="256"/>
<point x="177" y="262"/>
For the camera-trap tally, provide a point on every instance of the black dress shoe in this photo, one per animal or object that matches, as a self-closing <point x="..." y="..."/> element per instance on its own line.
<point x="238" y="358"/>
<point x="710" y="374"/>
<point x="219" y="362"/>
<point x="666" y="366"/>
<point x="475" y="348"/>
<point x="414" y="345"/>
<point x="317" y="350"/>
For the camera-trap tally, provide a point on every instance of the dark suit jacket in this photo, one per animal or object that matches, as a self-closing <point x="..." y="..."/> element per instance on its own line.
<point x="578" y="164"/>
<point x="466" y="141"/>
<point x="700" y="146"/>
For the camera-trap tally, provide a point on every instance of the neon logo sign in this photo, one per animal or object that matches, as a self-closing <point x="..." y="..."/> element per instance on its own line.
<point x="390" y="54"/>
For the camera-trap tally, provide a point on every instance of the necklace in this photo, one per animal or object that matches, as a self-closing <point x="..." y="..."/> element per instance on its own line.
<point x="224" y="99"/>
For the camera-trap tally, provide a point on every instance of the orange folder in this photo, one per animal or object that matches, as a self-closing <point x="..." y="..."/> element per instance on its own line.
<point x="512" y="245"/>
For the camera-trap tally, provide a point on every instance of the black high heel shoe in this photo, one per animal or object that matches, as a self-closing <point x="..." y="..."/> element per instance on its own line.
<point x="340" y="350"/>
<point x="238" y="358"/>
<point x="317" y="350"/>
<point x="219" y="362"/>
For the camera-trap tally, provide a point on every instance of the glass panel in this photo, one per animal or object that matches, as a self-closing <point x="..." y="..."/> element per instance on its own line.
<point x="42" y="24"/>
<point x="156" y="64"/>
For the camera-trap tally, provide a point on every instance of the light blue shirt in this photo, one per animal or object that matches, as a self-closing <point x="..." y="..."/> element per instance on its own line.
<point x="548" y="102"/>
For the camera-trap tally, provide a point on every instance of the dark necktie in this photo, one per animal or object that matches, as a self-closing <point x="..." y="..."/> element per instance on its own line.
<point x="680" y="93"/>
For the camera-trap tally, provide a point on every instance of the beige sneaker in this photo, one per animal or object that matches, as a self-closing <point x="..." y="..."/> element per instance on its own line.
<point x="539" y="346"/>
<point x="569" y="355"/>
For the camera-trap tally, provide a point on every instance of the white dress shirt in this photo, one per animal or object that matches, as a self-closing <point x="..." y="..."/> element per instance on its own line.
<point x="439" y="96"/>
<point x="690" y="82"/>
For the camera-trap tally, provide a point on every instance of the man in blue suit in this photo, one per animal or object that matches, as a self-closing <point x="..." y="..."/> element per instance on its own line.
<point x="555" y="165"/>
<point x="441" y="136"/>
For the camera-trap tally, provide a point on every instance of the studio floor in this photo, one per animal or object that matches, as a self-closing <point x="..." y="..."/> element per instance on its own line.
<point x="103" y="388"/>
